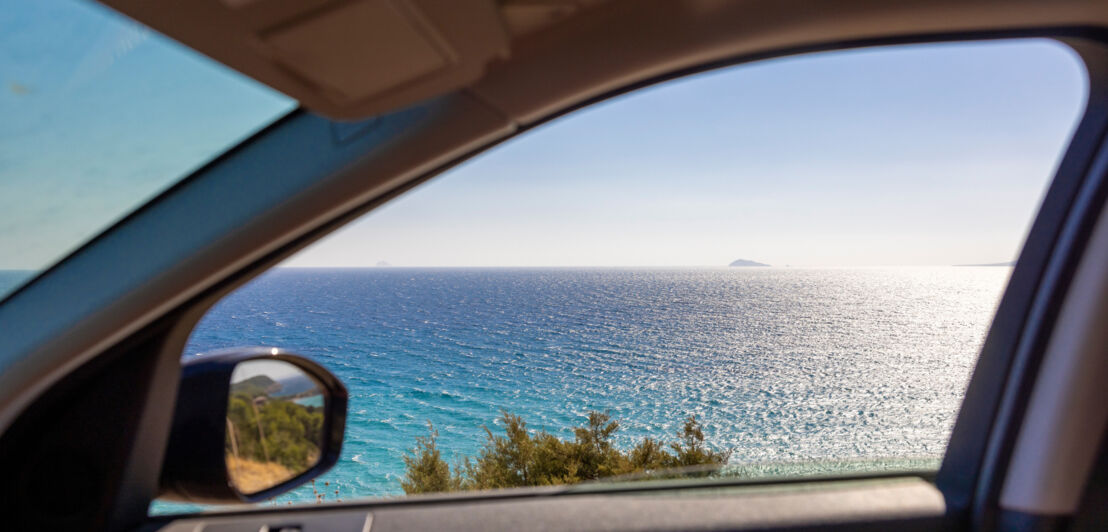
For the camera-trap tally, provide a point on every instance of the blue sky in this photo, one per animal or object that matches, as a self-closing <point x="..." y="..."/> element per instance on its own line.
<point x="914" y="155"/>
<point x="918" y="155"/>
<point x="100" y="114"/>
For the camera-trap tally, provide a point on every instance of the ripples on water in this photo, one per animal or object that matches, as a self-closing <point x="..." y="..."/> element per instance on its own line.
<point x="782" y="365"/>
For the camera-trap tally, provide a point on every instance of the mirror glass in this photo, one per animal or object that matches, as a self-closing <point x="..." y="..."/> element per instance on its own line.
<point x="274" y="424"/>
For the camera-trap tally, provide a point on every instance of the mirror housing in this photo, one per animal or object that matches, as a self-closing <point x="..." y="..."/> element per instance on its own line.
<point x="195" y="465"/>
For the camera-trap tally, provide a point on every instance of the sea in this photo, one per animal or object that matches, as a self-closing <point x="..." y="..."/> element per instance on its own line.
<point x="797" y="371"/>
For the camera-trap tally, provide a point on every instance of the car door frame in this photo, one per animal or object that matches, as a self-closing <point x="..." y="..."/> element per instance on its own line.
<point x="973" y="471"/>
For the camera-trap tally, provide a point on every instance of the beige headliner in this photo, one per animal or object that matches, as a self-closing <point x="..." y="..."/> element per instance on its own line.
<point x="545" y="55"/>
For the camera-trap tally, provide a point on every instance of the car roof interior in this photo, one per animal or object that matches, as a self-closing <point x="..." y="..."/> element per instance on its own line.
<point x="394" y="93"/>
<point x="530" y="59"/>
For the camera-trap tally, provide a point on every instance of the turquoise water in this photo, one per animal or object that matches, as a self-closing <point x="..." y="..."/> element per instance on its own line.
<point x="314" y="400"/>
<point x="799" y="371"/>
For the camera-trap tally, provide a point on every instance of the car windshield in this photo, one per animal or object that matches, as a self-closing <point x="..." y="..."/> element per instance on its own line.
<point x="100" y="115"/>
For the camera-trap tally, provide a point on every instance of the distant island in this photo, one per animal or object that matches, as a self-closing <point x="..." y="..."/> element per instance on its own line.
<point x="746" y="263"/>
<point x="1010" y="263"/>
<point x="383" y="264"/>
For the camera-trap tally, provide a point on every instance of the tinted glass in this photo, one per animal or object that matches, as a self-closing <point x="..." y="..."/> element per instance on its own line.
<point x="99" y="115"/>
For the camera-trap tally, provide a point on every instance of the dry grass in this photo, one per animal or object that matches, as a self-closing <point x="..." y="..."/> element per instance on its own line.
<point x="249" y="476"/>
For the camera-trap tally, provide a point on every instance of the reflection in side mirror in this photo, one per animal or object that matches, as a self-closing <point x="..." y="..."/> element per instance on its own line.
<point x="251" y="424"/>
<point x="274" y="424"/>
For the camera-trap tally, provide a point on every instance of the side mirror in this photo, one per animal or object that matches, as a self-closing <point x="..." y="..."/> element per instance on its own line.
<point x="251" y="424"/>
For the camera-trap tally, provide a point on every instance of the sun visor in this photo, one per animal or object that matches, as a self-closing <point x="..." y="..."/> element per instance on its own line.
<point x="346" y="59"/>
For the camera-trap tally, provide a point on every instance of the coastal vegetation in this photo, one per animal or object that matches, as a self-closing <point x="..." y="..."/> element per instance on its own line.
<point x="269" y="438"/>
<point x="522" y="457"/>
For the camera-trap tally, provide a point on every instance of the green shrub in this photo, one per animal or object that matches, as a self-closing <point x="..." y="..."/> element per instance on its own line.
<point x="690" y="449"/>
<point x="293" y="432"/>
<point x="426" y="471"/>
<point x="521" y="458"/>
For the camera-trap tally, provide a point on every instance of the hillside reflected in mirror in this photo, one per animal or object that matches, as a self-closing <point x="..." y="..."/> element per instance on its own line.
<point x="274" y="424"/>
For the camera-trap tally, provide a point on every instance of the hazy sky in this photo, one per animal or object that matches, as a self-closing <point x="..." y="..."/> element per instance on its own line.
<point x="920" y="155"/>
<point x="275" y="369"/>
<point x="931" y="154"/>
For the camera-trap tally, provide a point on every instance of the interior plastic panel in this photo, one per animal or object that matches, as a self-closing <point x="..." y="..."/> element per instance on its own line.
<point x="335" y="520"/>
<point x="894" y="504"/>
